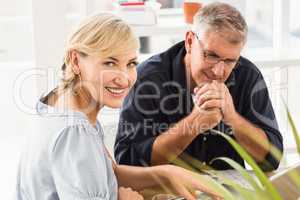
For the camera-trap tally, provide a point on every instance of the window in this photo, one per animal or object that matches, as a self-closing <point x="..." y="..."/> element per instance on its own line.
<point x="170" y="3"/>
<point x="16" y="31"/>
<point x="259" y="17"/>
<point x="294" y="26"/>
<point x="258" y="14"/>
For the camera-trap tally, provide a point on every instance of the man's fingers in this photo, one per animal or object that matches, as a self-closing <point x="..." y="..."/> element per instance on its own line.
<point x="203" y="89"/>
<point x="198" y="87"/>
<point x="208" y="89"/>
<point x="209" y="86"/>
<point x="196" y="90"/>
<point x="206" y="97"/>
<point x="212" y="104"/>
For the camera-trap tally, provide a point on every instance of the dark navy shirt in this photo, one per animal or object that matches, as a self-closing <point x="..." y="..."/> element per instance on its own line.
<point x="160" y="98"/>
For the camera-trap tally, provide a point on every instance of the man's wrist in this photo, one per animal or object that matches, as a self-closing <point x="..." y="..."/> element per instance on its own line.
<point x="194" y="124"/>
<point x="235" y="120"/>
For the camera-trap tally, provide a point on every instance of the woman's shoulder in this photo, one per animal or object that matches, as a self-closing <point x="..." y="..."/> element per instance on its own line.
<point x="75" y="133"/>
<point x="53" y="125"/>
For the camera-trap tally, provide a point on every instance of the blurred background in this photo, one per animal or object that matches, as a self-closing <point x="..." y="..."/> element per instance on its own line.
<point x="32" y="39"/>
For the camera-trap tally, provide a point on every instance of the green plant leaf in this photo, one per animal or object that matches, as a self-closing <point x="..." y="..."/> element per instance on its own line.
<point x="294" y="129"/>
<point x="226" y="194"/>
<point x="243" y="193"/>
<point x="242" y="171"/>
<point x="274" y="194"/>
<point x="210" y="182"/>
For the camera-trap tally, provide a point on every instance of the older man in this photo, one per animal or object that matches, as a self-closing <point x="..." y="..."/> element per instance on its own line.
<point x="198" y="85"/>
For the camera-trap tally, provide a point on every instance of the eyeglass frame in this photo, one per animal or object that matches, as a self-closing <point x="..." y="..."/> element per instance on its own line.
<point x="216" y="59"/>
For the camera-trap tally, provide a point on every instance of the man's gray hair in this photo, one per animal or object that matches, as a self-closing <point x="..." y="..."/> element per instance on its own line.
<point x="223" y="18"/>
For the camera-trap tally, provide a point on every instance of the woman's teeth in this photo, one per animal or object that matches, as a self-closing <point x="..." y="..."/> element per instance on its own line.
<point x="115" y="90"/>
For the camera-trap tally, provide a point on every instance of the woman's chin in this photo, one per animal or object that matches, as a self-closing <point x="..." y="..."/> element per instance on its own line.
<point x="114" y="103"/>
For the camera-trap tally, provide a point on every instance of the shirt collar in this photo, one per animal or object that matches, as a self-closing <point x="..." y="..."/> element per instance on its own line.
<point x="231" y="79"/>
<point x="178" y="66"/>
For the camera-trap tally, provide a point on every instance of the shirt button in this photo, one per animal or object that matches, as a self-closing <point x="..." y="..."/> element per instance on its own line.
<point x="204" y="139"/>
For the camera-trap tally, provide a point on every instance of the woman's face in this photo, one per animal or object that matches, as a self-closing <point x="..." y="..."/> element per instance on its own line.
<point x="108" y="80"/>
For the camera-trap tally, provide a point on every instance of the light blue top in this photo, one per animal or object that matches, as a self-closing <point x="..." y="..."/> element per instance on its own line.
<point x="65" y="159"/>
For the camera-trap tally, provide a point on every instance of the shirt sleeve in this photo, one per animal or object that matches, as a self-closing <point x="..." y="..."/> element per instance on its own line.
<point x="139" y="125"/>
<point x="79" y="165"/>
<point x="260" y="112"/>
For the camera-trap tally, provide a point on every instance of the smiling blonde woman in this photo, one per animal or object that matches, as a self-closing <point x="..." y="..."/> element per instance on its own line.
<point x="67" y="159"/>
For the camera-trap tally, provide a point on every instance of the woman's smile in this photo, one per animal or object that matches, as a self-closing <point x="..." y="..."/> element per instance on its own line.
<point x="117" y="91"/>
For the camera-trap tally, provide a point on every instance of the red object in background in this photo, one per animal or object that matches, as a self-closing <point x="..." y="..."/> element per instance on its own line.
<point x="189" y="10"/>
<point x="132" y="4"/>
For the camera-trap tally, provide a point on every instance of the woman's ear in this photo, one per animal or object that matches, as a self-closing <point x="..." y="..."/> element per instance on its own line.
<point x="189" y="37"/>
<point x="74" y="59"/>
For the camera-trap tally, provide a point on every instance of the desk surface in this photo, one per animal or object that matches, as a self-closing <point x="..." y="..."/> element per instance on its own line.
<point x="159" y="194"/>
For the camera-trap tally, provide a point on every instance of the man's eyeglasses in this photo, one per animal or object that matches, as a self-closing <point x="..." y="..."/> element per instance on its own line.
<point x="213" y="59"/>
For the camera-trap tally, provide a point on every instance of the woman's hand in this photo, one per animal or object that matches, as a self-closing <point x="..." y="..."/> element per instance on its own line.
<point x="128" y="194"/>
<point x="185" y="183"/>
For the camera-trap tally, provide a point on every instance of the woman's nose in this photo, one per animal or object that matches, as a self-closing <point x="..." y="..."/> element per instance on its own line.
<point x="122" y="80"/>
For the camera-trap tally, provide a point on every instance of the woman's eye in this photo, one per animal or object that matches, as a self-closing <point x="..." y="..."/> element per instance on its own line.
<point x="110" y="64"/>
<point x="132" y="64"/>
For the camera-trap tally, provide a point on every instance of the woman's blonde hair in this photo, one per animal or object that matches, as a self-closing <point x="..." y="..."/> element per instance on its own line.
<point x="104" y="35"/>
